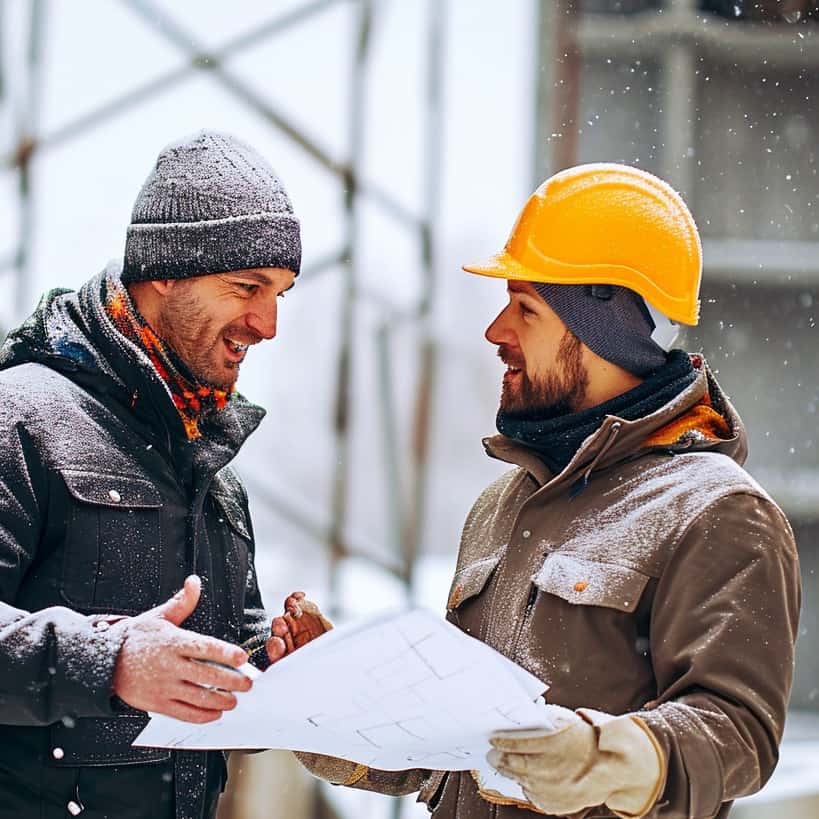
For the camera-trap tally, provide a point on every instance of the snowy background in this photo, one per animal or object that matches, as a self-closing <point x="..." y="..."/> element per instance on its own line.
<point x="721" y="105"/>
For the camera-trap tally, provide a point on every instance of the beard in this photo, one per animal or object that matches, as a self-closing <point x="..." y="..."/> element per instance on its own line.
<point x="184" y="325"/>
<point x="558" y="392"/>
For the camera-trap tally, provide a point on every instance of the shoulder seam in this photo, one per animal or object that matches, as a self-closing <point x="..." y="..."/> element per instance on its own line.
<point x="750" y="491"/>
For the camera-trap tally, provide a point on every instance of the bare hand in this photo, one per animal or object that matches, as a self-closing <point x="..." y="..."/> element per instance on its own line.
<point x="157" y="668"/>
<point x="301" y="623"/>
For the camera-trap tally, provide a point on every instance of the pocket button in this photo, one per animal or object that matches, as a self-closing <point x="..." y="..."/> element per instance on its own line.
<point x="114" y="495"/>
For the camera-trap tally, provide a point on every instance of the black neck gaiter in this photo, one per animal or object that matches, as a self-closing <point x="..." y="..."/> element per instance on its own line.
<point x="556" y="436"/>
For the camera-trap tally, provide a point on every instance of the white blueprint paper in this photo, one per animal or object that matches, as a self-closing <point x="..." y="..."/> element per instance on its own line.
<point x="405" y="690"/>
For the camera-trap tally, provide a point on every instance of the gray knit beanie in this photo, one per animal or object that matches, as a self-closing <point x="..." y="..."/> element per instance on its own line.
<point x="211" y="204"/>
<point x="611" y="321"/>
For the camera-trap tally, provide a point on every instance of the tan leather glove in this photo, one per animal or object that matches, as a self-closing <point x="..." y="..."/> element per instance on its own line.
<point x="589" y="759"/>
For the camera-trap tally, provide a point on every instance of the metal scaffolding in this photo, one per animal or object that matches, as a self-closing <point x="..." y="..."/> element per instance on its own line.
<point x="405" y="498"/>
<point x="406" y="502"/>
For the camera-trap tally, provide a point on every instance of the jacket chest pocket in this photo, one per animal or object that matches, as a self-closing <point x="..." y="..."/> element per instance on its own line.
<point x="113" y="546"/>
<point x="584" y="582"/>
<point x="102" y="742"/>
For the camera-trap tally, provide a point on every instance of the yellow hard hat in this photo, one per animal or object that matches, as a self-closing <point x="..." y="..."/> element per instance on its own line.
<point x="605" y="223"/>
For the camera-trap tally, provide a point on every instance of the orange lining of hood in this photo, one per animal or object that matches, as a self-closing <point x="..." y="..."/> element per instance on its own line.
<point x="701" y="421"/>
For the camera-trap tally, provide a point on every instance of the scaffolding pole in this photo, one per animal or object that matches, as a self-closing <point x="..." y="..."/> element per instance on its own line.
<point x="406" y="510"/>
<point x="347" y="312"/>
<point x="27" y="125"/>
<point x="427" y="351"/>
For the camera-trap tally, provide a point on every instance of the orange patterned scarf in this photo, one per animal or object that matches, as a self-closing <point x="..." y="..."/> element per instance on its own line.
<point x="191" y="398"/>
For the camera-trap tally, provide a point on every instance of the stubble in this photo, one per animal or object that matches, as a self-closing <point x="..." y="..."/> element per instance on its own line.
<point x="185" y="326"/>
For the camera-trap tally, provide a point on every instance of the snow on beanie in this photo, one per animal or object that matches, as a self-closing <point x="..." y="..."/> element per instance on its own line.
<point x="611" y="321"/>
<point x="211" y="204"/>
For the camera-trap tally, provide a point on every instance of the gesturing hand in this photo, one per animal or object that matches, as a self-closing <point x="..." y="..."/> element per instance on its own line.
<point x="301" y="623"/>
<point x="157" y="668"/>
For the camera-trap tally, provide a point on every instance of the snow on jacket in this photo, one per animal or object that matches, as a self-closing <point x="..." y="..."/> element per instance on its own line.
<point x="105" y="507"/>
<point x="651" y="576"/>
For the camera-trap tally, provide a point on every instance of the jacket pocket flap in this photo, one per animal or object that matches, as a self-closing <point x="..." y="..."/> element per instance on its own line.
<point x="470" y="580"/>
<point x="590" y="583"/>
<point x="105" y="741"/>
<point x="116" y="491"/>
<point x="233" y="513"/>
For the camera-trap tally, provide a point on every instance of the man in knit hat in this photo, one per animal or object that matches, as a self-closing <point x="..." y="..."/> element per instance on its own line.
<point x="127" y="579"/>
<point x="627" y="560"/>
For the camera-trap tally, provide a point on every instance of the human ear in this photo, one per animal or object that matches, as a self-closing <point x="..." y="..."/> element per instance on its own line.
<point x="163" y="286"/>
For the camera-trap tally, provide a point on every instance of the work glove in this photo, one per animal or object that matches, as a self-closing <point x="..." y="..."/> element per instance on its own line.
<point x="589" y="759"/>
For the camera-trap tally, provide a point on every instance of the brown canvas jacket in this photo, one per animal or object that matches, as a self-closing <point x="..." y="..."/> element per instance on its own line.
<point x="652" y="576"/>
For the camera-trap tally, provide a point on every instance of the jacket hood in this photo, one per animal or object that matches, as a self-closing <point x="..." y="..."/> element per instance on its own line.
<point x="678" y="426"/>
<point x="71" y="332"/>
<point x="57" y="334"/>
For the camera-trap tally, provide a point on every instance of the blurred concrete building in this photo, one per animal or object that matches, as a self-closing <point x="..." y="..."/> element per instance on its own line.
<point x="719" y="98"/>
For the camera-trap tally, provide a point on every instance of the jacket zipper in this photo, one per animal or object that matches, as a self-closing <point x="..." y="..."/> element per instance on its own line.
<point x="527" y="611"/>
<point x="531" y="599"/>
<point x="195" y="518"/>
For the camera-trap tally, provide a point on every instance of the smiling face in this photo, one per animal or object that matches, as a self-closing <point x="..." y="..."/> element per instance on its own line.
<point x="210" y="321"/>
<point x="545" y="362"/>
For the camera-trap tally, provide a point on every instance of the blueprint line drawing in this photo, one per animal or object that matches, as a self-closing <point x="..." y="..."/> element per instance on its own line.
<point x="402" y="690"/>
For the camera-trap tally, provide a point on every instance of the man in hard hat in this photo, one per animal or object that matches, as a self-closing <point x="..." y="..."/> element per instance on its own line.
<point x="627" y="559"/>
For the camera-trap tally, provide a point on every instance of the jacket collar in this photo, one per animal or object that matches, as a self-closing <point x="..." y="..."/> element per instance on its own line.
<point x="617" y="439"/>
<point x="70" y="332"/>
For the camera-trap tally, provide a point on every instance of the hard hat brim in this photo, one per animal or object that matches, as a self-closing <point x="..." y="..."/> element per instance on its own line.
<point x="505" y="266"/>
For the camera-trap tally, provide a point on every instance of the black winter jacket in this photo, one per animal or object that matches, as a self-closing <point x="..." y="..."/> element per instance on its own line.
<point x="105" y="507"/>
